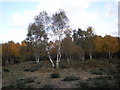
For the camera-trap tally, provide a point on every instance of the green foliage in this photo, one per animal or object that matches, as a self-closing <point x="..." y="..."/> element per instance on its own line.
<point x="6" y="70"/>
<point x="48" y="86"/>
<point x="70" y="78"/>
<point x="29" y="80"/>
<point x="83" y="84"/>
<point x="64" y="65"/>
<point x="98" y="82"/>
<point x="55" y="75"/>
<point x="34" y="67"/>
<point x="26" y="80"/>
<point x="96" y="71"/>
<point x="20" y="84"/>
<point x="29" y="86"/>
<point x="8" y="86"/>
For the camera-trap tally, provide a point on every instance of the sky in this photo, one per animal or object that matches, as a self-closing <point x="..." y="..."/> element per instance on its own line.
<point x="16" y="15"/>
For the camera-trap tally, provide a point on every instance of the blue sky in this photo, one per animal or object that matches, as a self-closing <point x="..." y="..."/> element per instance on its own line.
<point x="16" y="16"/>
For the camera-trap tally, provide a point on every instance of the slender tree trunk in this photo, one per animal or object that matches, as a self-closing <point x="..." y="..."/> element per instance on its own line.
<point x="70" y="57"/>
<point x="53" y="65"/>
<point x="83" y="57"/>
<point x="11" y="60"/>
<point x="6" y="60"/>
<point x="67" y="57"/>
<point x="91" y="56"/>
<point x="51" y="61"/>
<point x="58" y="55"/>
<point x="37" y="57"/>
<point x="37" y="60"/>
<point x="57" y="61"/>
<point x="110" y="56"/>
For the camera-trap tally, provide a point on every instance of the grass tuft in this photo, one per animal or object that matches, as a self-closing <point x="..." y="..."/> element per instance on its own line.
<point x="55" y="75"/>
<point x="70" y="78"/>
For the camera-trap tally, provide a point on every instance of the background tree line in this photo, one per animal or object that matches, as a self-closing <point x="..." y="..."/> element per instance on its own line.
<point x="51" y="38"/>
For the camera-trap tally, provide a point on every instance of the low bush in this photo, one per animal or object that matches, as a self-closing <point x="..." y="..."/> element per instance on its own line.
<point x="48" y="86"/>
<point x="26" y="80"/>
<point x="6" y="70"/>
<point x="29" y="80"/>
<point x="98" y="82"/>
<point x="70" y="78"/>
<point x="20" y="85"/>
<point x="8" y="86"/>
<point x="34" y="67"/>
<point x="55" y="75"/>
<point x="83" y="84"/>
<point x="96" y="72"/>
<point x="64" y="65"/>
<point x="29" y="86"/>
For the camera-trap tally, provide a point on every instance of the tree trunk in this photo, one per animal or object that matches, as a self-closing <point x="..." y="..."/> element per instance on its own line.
<point x="58" y="55"/>
<point x="11" y="60"/>
<point x="6" y="62"/>
<point x="57" y="61"/>
<point x="83" y="57"/>
<point x="37" y="60"/>
<point x="70" y="57"/>
<point x="37" y="57"/>
<point x="51" y="61"/>
<point x="110" y="56"/>
<point x="67" y="58"/>
<point x="50" y="58"/>
<point x="91" y="56"/>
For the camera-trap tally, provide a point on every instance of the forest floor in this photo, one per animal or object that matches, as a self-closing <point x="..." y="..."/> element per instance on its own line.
<point x="72" y="75"/>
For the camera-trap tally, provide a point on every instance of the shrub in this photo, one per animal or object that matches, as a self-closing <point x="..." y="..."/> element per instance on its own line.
<point x="20" y="84"/>
<point x="101" y="83"/>
<point x="70" y="78"/>
<point x="29" y="80"/>
<point x="8" y="86"/>
<point x="63" y="65"/>
<point x="98" y="82"/>
<point x="26" y="69"/>
<point x="31" y="69"/>
<point x="83" y="84"/>
<point x="55" y="75"/>
<point x="26" y="80"/>
<point x="48" y="86"/>
<point x="29" y="86"/>
<point x="6" y="70"/>
<point x="34" y="67"/>
<point x="96" y="72"/>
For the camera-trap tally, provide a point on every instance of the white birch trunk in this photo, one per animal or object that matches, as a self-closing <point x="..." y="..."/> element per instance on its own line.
<point x="91" y="56"/>
<point x="37" y="60"/>
<point x="37" y="57"/>
<point x="58" y="55"/>
<point x="67" y="58"/>
<point x="110" y="56"/>
<point x="51" y="61"/>
<point x="50" y="58"/>
<point x="57" y="61"/>
<point x="83" y="57"/>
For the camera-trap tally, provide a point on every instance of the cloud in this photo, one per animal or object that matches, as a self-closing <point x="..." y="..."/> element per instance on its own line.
<point x="18" y="20"/>
<point x="111" y="9"/>
<point x="76" y="11"/>
<point x="13" y="34"/>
